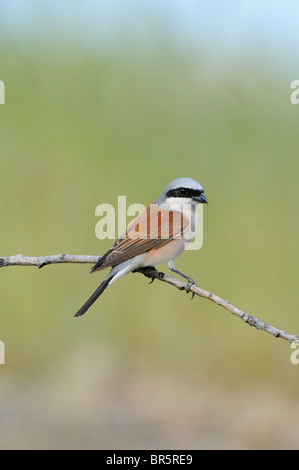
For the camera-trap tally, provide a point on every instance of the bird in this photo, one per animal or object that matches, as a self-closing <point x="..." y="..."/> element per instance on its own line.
<point x="157" y="236"/>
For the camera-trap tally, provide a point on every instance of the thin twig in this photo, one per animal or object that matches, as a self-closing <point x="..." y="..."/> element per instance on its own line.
<point x="21" y="260"/>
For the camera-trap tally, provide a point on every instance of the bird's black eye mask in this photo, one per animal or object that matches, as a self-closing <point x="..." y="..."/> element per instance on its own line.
<point x="184" y="192"/>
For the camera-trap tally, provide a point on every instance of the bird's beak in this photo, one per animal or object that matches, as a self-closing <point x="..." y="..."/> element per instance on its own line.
<point x="202" y="199"/>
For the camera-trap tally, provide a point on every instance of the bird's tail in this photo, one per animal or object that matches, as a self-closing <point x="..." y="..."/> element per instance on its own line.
<point x="95" y="295"/>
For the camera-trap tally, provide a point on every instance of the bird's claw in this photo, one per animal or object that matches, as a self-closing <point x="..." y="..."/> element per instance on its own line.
<point x="191" y="283"/>
<point x="159" y="276"/>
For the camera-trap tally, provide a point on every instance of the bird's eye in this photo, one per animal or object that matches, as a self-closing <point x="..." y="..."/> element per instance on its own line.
<point x="183" y="192"/>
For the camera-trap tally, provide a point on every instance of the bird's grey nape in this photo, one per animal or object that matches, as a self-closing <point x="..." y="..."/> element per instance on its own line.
<point x="189" y="183"/>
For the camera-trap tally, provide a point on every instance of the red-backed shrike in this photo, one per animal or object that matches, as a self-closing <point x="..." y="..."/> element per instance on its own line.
<point x="158" y="235"/>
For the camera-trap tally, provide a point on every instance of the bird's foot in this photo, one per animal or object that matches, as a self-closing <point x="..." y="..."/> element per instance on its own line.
<point x="190" y="283"/>
<point x="160" y="276"/>
<point x="147" y="271"/>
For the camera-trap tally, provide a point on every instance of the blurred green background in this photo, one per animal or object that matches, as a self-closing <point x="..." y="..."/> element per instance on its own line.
<point x="82" y="124"/>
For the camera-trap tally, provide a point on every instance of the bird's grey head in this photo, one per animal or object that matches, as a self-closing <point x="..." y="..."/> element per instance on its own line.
<point x="184" y="191"/>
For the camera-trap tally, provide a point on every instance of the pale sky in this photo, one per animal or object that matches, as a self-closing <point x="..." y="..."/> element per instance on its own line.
<point x="232" y="27"/>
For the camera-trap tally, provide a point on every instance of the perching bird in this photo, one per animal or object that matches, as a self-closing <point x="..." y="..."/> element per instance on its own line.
<point x="158" y="235"/>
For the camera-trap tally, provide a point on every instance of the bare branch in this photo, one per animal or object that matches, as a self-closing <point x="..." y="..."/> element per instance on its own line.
<point x="251" y="321"/>
<point x="21" y="260"/>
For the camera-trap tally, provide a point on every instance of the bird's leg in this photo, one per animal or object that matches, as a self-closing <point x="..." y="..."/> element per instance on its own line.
<point x="174" y="270"/>
<point x="191" y="281"/>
